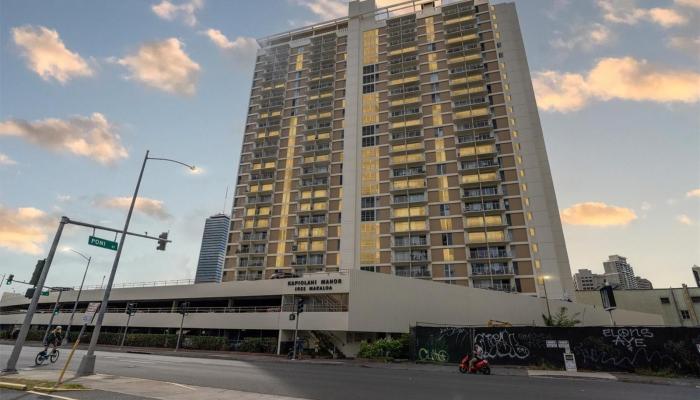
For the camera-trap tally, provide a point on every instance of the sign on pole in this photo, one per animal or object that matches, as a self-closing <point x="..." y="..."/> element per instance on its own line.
<point x="607" y="298"/>
<point x="90" y="312"/>
<point x="104" y="243"/>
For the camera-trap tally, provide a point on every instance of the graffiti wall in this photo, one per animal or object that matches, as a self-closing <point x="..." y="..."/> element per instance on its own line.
<point x="595" y="348"/>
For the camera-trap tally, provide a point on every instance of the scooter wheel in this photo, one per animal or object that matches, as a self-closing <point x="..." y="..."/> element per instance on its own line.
<point x="462" y="369"/>
<point x="486" y="371"/>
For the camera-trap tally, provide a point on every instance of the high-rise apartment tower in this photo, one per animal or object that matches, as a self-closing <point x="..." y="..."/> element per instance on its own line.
<point x="213" y="251"/>
<point x="619" y="265"/>
<point x="402" y="140"/>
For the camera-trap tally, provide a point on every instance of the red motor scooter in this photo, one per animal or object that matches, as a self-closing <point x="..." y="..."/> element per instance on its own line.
<point x="480" y="366"/>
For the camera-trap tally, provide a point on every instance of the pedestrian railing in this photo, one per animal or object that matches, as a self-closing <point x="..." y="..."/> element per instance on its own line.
<point x="196" y="310"/>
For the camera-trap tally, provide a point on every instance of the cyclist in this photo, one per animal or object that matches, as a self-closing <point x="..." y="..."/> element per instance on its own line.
<point x="54" y="339"/>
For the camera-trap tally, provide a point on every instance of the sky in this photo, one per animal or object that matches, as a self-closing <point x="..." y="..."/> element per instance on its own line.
<point x="86" y="87"/>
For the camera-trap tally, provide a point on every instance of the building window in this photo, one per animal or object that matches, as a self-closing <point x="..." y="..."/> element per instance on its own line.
<point x="369" y="202"/>
<point x="449" y="270"/>
<point x="665" y="300"/>
<point x="367" y="215"/>
<point x="370" y="268"/>
<point x="434" y="78"/>
<point x="369" y="137"/>
<point x="432" y="46"/>
<point x="444" y="210"/>
<point x="439" y="132"/>
<point x="695" y="299"/>
<point x="685" y="314"/>
<point x="435" y="98"/>
<point x="441" y="169"/>
<point x="447" y="239"/>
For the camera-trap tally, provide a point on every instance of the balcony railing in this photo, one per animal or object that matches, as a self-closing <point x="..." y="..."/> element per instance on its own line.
<point x="492" y="253"/>
<point x="493" y="270"/>
<point x="413" y="273"/>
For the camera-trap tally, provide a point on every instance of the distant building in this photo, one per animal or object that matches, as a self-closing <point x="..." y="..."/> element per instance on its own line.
<point x="584" y="279"/>
<point x="213" y="251"/>
<point x="619" y="265"/>
<point x="696" y="275"/>
<point x="643" y="283"/>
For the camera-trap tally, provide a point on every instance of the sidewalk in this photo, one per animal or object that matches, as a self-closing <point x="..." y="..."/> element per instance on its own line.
<point x="146" y="388"/>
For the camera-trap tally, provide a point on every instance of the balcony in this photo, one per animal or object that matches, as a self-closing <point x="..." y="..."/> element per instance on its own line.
<point x="488" y="164"/>
<point x="411" y="241"/>
<point x="308" y="183"/>
<point x="476" y="138"/>
<point x="408" y="159"/>
<point x="485" y="207"/>
<point x="482" y="192"/>
<point x="493" y="269"/>
<point x="407" y="135"/>
<point x="258" y="236"/>
<point x="492" y="253"/>
<point x="501" y="286"/>
<point x="413" y="272"/>
<point x="479" y="178"/>
<point x="412" y="256"/>
<point x="409" y="171"/>
<point x="410" y="184"/>
<point x="311" y="219"/>
<point x="477" y="150"/>
<point x="259" y="200"/>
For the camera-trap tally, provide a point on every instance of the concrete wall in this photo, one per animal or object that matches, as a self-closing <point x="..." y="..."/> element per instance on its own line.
<point x="384" y="303"/>
<point x="649" y="301"/>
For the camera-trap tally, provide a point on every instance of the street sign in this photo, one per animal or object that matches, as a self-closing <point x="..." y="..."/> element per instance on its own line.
<point x="45" y="293"/>
<point x="104" y="243"/>
<point x="90" y="312"/>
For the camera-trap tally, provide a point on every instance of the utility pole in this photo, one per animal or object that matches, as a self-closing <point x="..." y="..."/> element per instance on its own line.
<point x="53" y="314"/>
<point x="77" y="299"/>
<point x="11" y="366"/>
<point x="87" y="364"/>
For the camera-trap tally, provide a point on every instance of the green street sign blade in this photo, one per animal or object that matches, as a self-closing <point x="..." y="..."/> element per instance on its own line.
<point x="45" y="293"/>
<point x="104" y="243"/>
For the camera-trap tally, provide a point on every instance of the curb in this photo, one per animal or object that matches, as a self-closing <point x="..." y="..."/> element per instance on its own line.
<point x="14" y="386"/>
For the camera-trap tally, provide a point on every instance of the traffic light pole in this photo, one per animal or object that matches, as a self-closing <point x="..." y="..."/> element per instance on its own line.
<point x="11" y="366"/>
<point x="179" y="335"/>
<point x="53" y="314"/>
<point x="126" y="328"/>
<point x="87" y="364"/>
<point x="296" y="331"/>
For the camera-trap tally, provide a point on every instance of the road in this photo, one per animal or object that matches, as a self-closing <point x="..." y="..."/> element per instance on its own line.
<point x="313" y="381"/>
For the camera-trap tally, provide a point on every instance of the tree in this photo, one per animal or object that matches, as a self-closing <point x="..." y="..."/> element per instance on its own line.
<point x="561" y="319"/>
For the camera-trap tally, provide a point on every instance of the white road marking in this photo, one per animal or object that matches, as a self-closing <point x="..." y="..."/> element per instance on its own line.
<point x="55" y="396"/>
<point x="181" y="385"/>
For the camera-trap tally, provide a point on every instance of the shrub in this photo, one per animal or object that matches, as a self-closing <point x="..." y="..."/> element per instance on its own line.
<point x="385" y="348"/>
<point x="257" y="345"/>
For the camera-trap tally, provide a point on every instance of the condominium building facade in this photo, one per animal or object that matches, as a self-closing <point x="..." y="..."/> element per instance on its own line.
<point x="618" y="265"/>
<point x="401" y="140"/>
<point x="585" y="279"/>
<point x="210" y="267"/>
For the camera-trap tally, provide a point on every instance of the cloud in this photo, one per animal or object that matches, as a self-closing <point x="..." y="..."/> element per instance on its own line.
<point x="150" y="207"/>
<point x="684" y="219"/>
<point x="646" y="206"/>
<point x="6" y="160"/>
<point x="597" y="214"/>
<point x="163" y="65"/>
<point x="325" y="9"/>
<point x="242" y="44"/>
<point x="693" y="193"/>
<point x="185" y="11"/>
<point x="47" y="55"/>
<point x="688" y="3"/>
<point x="615" y="78"/>
<point x="24" y="229"/>
<point x="585" y="37"/>
<point x="689" y="45"/>
<point x="93" y="137"/>
<point x="627" y="12"/>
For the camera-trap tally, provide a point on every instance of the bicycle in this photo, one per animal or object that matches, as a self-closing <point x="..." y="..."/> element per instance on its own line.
<point x="43" y="356"/>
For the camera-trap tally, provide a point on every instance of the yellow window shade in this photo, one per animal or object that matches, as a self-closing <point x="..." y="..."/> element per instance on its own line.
<point x="446" y="224"/>
<point x="448" y="254"/>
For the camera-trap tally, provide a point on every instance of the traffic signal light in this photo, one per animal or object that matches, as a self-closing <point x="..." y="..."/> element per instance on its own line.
<point x="131" y="308"/>
<point x="10" y="278"/>
<point x="300" y="306"/>
<point x="37" y="272"/>
<point x="30" y="293"/>
<point x="56" y="310"/>
<point x="183" y="307"/>
<point x="162" y="242"/>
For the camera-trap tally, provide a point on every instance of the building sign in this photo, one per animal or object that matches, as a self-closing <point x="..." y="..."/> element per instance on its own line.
<point x="315" y="285"/>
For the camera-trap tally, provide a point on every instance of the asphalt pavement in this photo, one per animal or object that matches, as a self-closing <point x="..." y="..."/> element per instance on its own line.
<point x="327" y="381"/>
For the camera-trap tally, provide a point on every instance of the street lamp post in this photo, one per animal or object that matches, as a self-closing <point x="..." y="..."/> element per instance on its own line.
<point x="546" y="299"/>
<point x="87" y="364"/>
<point x="77" y="299"/>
